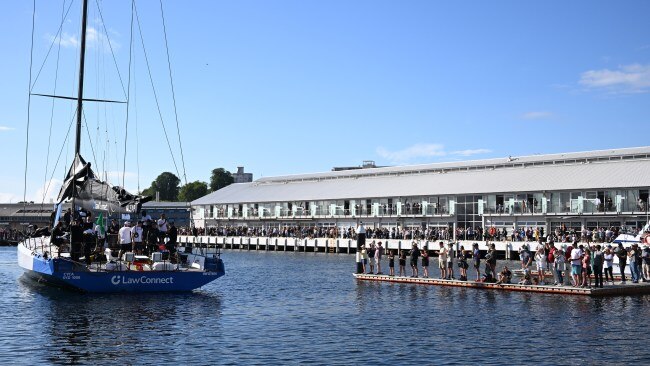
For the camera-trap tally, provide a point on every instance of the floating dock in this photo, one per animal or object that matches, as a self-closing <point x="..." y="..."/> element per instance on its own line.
<point x="609" y="290"/>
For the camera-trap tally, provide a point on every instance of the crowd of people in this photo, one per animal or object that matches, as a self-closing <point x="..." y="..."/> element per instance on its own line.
<point x="576" y="263"/>
<point x="370" y="257"/>
<point x="311" y="232"/>
<point x="8" y="234"/>
<point x="431" y="233"/>
<point x="85" y="237"/>
<point x="571" y="264"/>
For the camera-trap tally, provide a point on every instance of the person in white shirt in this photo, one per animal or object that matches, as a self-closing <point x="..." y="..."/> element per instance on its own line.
<point x="162" y="227"/>
<point x="576" y="265"/>
<point x="136" y="238"/>
<point x="442" y="261"/>
<point x="540" y="262"/>
<point x="125" y="238"/>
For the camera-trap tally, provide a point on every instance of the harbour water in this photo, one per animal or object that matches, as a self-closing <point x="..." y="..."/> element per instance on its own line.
<point x="306" y="308"/>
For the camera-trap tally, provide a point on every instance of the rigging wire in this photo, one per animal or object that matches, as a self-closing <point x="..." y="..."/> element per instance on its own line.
<point x="49" y="136"/>
<point x="90" y="140"/>
<point x="57" y="37"/>
<point x="29" y="102"/>
<point x="63" y="147"/>
<point x="128" y="94"/>
<point x="137" y="136"/>
<point x="146" y="58"/>
<point x="171" y="81"/>
<point x="110" y="45"/>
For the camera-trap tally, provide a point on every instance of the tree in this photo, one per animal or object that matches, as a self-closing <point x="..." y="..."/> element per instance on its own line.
<point x="192" y="191"/>
<point x="220" y="178"/>
<point x="166" y="184"/>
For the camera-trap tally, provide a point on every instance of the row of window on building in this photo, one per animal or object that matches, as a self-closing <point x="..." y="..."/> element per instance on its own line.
<point x="470" y="207"/>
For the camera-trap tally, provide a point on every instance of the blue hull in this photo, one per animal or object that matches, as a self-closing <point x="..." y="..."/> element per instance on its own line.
<point x="63" y="273"/>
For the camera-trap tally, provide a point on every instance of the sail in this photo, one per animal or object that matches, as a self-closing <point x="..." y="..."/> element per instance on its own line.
<point x="89" y="192"/>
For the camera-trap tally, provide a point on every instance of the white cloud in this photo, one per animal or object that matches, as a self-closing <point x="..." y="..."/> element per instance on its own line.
<point x="48" y="192"/>
<point x="419" y="152"/>
<point x="117" y="175"/>
<point x="536" y="115"/>
<point x="5" y="128"/>
<point x="412" y="152"/>
<point x="9" y="198"/>
<point x="633" y="78"/>
<point x="471" y="152"/>
<point x="65" y="40"/>
<point x="93" y="39"/>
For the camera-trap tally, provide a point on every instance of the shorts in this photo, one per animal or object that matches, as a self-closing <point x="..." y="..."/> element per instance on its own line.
<point x="450" y="265"/>
<point x="540" y="266"/>
<point x="402" y="262"/>
<point x="372" y="261"/>
<point x="126" y="247"/>
<point x="442" y="264"/>
<point x="588" y="270"/>
<point x="139" y="246"/>
<point x="391" y="263"/>
<point x="414" y="262"/>
<point x="477" y="264"/>
<point x="576" y="269"/>
<point x="425" y="262"/>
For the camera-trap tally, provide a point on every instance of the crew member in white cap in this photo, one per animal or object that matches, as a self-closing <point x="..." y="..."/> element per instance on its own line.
<point x="125" y="238"/>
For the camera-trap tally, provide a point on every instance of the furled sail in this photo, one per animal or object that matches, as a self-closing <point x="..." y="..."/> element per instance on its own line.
<point x="93" y="194"/>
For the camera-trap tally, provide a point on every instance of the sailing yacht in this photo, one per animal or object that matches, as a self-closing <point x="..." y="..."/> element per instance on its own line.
<point x="53" y="260"/>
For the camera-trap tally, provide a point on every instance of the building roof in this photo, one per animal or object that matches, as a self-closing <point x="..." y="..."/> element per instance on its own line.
<point x="163" y="204"/>
<point x="620" y="168"/>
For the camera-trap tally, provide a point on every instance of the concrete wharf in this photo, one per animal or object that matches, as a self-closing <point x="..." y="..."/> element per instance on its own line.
<point x="611" y="290"/>
<point x="339" y="245"/>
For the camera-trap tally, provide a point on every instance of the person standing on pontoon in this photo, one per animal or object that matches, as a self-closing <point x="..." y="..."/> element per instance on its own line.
<point x="379" y="252"/>
<point x="415" y="253"/>
<point x="442" y="261"/>
<point x="476" y="260"/>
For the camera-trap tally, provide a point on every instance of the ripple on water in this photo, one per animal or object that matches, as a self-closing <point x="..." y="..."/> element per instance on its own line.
<point x="289" y="308"/>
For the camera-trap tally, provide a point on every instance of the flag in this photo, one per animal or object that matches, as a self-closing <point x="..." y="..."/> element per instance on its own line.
<point x="100" y="222"/>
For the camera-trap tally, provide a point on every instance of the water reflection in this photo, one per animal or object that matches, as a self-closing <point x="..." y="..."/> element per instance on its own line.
<point x="288" y="308"/>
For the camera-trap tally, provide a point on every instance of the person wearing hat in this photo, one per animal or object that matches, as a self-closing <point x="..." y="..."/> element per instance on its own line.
<point x="124" y="236"/>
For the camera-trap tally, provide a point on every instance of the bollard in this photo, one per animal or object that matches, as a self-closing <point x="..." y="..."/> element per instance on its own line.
<point x="361" y="242"/>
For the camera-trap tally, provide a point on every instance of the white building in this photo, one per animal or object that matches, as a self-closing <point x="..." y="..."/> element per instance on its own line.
<point x="592" y="189"/>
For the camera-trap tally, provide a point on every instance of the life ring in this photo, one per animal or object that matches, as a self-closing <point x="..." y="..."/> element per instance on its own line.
<point x="138" y="266"/>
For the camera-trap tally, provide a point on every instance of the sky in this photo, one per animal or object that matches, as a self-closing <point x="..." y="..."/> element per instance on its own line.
<point x="293" y="86"/>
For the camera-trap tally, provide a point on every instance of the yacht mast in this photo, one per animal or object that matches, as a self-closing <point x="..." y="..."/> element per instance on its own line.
<point x="82" y="54"/>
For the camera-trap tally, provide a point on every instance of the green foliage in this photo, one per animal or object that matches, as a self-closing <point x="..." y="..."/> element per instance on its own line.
<point x="167" y="184"/>
<point x="192" y="191"/>
<point x="220" y="178"/>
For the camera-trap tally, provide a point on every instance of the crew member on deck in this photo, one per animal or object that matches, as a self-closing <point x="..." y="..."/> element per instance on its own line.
<point x="136" y="238"/>
<point x="76" y="240"/>
<point x="125" y="238"/>
<point x="57" y="234"/>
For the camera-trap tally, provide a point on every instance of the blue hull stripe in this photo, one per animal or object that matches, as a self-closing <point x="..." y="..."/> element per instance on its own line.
<point x="61" y="273"/>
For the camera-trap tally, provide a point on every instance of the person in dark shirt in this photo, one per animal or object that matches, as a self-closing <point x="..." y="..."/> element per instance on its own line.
<point x="57" y="234"/>
<point x="152" y="237"/>
<point x="415" y="253"/>
<point x="76" y="239"/>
